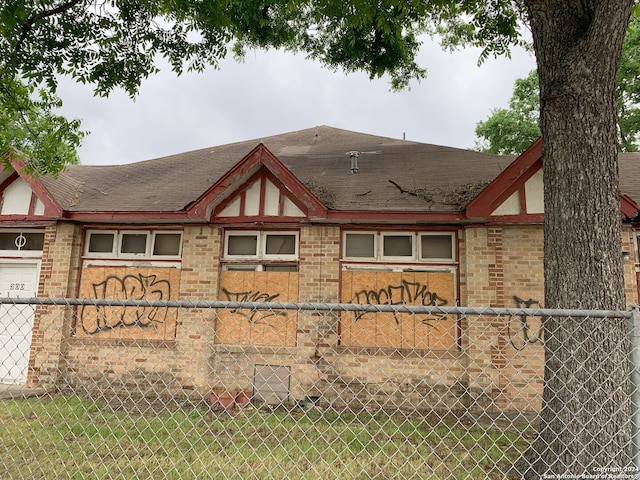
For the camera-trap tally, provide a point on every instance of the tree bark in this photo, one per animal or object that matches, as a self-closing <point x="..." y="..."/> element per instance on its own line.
<point x="585" y="417"/>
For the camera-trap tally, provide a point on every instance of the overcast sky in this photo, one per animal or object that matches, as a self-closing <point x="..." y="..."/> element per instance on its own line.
<point x="275" y="92"/>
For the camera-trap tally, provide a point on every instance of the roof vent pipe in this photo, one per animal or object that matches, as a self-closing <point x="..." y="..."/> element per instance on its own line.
<point x="354" y="161"/>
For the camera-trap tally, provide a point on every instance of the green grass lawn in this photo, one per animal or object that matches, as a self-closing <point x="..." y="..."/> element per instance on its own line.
<point x="67" y="437"/>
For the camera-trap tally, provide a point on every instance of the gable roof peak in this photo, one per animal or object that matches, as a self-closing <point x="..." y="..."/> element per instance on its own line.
<point x="259" y="157"/>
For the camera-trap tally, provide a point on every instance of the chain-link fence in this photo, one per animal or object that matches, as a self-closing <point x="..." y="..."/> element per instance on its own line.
<point x="126" y="389"/>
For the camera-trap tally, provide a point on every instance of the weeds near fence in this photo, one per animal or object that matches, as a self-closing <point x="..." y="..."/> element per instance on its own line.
<point x="91" y="439"/>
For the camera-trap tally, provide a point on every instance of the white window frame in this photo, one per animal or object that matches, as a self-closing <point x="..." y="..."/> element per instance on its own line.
<point x="114" y="242"/>
<point x="452" y="237"/>
<point x="155" y="233"/>
<point x="283" y="256"/>
<point x="116" y="247"/>
<point x="364" y="232"/>
<point x="144" y="254"/>
<point x="19" y="252"/>
<point x="241" y="233"/>
<point x="261" y="245"/>
<point x="398" y="258"/>
<point x="416" y="246"/>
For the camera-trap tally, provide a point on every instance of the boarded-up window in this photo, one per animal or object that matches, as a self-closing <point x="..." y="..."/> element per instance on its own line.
<point x="398" y="330"/>
<point x="257" y="327"/>
<point x="128" y="283"/>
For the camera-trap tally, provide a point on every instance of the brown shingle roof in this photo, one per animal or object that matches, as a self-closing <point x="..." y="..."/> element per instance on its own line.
<point x="394" y="175"/>
<point x="629" y="171"/>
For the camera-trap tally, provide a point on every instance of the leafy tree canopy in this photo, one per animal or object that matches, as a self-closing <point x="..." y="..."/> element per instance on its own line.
<point x="29" y="126"/>
<point x="115" y="44"/>
<point x="509" y="131"/>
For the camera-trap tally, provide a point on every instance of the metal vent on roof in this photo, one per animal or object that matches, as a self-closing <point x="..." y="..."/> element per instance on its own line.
<point x="354" y="161"/>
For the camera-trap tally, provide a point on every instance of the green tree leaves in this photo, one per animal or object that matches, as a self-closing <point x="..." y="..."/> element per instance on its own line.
<point x="115" y="44"/>
<point x="29" y="127"/>
<point x="511" y="130"/>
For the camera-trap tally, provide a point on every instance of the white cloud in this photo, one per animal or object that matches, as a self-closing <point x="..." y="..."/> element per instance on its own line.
<point x="276" y="92"/>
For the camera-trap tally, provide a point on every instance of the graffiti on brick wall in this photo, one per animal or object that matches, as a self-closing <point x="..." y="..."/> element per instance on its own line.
<point x="405" y="293"/>
<point x="99" y="318"/>
<point x="252" y="315"/>
<point x="522" y="329"/>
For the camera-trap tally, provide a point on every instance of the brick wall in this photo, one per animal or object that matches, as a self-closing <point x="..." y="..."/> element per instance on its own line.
<point x="59" y="276"/>
<point x="504" y="268"/>
<point x="497" y="367"/>
<point x="630" y="276"/>
<point x="181" y="365"/>
<point x="319" y="272"/>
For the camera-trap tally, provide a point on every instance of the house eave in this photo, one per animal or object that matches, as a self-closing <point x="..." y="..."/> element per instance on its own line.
<point x="133" y="217"/>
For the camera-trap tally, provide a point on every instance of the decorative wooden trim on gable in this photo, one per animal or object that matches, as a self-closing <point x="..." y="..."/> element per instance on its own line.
<point x="261" y="198"/>
<point x="517" y="194"/>
<point x="628" y="207"/>
<point x="513" y="192"/>
<point x="294" y="200"/>
<point x="38" y="206"/>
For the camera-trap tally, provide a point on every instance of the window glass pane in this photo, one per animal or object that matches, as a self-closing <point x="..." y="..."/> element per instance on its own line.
<point x="35" y="241"/>
<point x="397" y="246"/>
<point x="359" y="245"/>
<point x="134" y="243"/>
<point x="7" y="241"/>
<point x="436" y="246"/>
<point x="167" y="244"/>
<point x="281" y="245"/>
<point x="21" y="241"/>
<point x="101" y="242"/>
<point x="280" y="268"/>
<point x="242" y="245"/>
<point x="241" y="268"/>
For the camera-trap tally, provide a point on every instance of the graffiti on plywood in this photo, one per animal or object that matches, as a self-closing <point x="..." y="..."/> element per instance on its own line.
<point x="252" y="315"/>
<point x="398" y="329"/>
<point x="251" y="326"/>
<point x="404" y="293"/>
<point x="120" y="283"/>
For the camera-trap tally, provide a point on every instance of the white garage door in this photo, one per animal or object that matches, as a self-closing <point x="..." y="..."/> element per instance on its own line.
<point x="16" y="321"/>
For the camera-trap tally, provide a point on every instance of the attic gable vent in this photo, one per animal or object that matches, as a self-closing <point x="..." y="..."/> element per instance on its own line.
<point x="354" y="161"/>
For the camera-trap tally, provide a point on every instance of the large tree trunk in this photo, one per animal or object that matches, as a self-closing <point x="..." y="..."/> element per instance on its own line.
<point x="585" y="418"/>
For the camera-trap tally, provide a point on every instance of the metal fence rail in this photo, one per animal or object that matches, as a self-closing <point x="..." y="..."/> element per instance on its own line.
<point x="181" y="389"/>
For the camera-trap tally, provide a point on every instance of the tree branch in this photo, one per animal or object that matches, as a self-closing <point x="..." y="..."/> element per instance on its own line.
<point x="31" y="21"/>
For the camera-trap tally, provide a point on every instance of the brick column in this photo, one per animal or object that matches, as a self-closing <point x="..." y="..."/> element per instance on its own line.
<point x="59" y="278"/>
<point x="319" y="282"/>
<point x="485" y="287"/>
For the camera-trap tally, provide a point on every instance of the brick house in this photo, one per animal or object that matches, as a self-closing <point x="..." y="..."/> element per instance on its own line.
<point x="317" y="215"/>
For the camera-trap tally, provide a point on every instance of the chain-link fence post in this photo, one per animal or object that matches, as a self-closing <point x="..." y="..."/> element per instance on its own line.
<point x="634" y="358"/>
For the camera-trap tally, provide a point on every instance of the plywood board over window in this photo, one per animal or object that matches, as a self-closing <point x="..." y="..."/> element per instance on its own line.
<point x="128" y="283"/>
<point x="398" y="330"/>
<point x="257" y="327"/>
